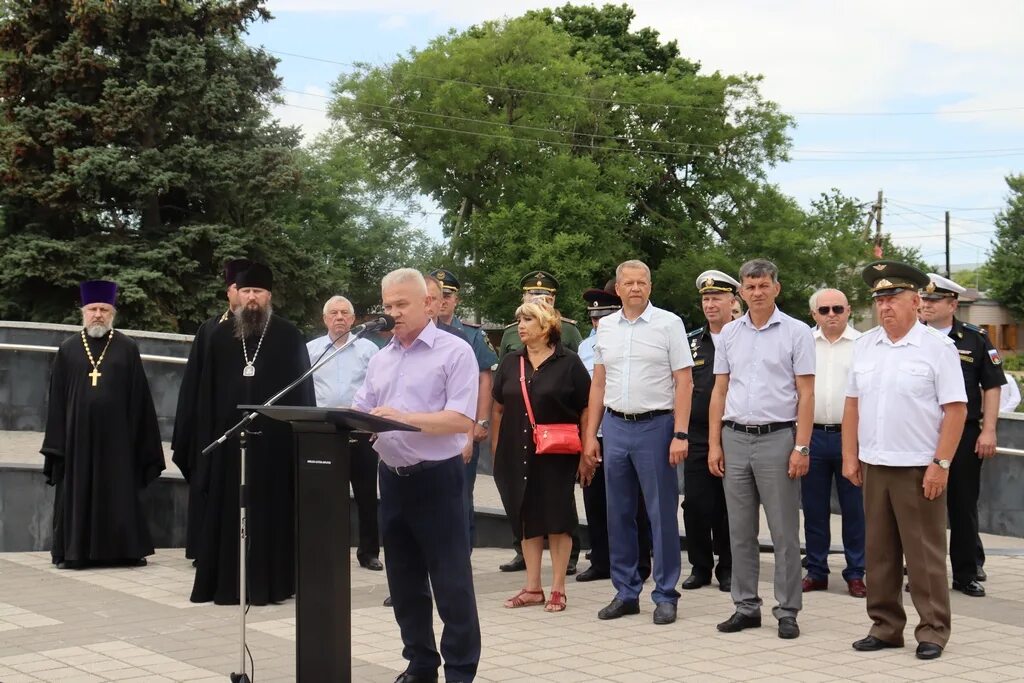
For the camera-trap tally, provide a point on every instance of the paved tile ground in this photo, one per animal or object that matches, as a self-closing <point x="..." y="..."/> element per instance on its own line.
<point x="137" y="625"/>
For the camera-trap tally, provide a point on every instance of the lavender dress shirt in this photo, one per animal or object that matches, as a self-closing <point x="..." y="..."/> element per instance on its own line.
<point x="438" y="371"/>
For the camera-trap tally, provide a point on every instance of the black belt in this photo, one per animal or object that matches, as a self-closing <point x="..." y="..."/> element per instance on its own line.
<point x="639" y="417"/>
<point x="758" y="429"/>
<point x="406" y="470"/>
<point x="835" y="428"/>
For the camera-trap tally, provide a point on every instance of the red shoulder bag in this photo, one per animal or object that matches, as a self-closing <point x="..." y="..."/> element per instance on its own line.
<point x="550" y="439"/>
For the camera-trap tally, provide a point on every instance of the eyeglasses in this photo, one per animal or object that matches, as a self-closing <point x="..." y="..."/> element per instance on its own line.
<point x="838" y="310"/>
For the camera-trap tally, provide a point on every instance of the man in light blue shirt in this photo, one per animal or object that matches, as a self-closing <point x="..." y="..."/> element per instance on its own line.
<point x="336" y="383"/>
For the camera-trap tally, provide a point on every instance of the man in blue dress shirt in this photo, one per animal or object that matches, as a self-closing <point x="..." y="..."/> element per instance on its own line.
<point x="335" y="384"/>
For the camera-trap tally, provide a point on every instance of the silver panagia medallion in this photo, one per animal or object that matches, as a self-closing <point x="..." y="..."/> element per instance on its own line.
<point x="248" y="370"/>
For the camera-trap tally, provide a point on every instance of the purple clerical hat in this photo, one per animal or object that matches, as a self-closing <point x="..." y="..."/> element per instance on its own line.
<point x="232" y="267"/>
<point x="98" y="292"/>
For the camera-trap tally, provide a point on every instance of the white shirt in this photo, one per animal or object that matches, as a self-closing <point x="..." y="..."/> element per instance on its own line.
<point x="338" y="380"/>
<point x="901" y="389"/>
<point x="1009" y="397"/>
<point x="639" y="358"/>
<point x="763" y="365"/>
<point x="832" y="369"/>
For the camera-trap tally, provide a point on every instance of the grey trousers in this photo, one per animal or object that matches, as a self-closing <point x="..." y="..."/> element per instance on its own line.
<point x="756" y="473"/>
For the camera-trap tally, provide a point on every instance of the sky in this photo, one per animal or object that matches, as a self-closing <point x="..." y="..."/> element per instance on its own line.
<point x="922" y="100"/>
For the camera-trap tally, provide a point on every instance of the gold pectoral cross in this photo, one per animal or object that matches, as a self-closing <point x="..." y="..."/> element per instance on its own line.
<point x="95" y="374"/>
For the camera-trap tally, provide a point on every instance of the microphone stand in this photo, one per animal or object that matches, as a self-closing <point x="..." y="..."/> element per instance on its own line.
<point x="240" y="429"/>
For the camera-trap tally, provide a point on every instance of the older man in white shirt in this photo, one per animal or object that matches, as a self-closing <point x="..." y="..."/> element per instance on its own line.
<point x="336" y="384"/>
<point x="643" y="385"/>
<point x="833" y="346"/>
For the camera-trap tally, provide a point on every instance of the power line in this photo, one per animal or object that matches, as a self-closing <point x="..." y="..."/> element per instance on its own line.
<point x="934" y="217"/>
<point x="950" y="208"/>
<point x="577" y="145"/>
<point x="527" y="91"/>
<point x="452" y="117"/>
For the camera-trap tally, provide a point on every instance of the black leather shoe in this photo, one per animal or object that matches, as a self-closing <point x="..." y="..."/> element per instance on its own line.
<point x="387" y="602"/>
<point x="739" y="622"/>
<point x="981" y="575"/>
<point x="664" y="613"/>
<point x="371" y="563"/>
<point x="619" y="608"/>
<point x="592" y="574"/>
<point x="406" y="677"/>
<point x="570" y="568"/>
<point x="928" y="651"/>
<point x="725" y="584"/>
<point x="518" y="564"/>
<point x="870" y="644"/>
<point x="971" y="588"/>
<point x="788" y="628"/>
<point x="694" y="581"/>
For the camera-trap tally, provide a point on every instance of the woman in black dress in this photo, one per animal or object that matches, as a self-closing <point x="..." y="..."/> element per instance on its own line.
<point x="537" y="491"/>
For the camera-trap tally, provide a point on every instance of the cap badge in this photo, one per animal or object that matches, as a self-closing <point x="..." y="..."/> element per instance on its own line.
<point x="709" y="282"/>
<point x="930" y="287"/>
<point x="539" y="283"/>
<point x="884" y="284"/>
<point x="879" y="266"/>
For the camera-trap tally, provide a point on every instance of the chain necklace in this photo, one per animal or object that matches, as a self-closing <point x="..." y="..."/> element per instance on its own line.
<point x="250" y="370"/>
<point x="96" y="374"/>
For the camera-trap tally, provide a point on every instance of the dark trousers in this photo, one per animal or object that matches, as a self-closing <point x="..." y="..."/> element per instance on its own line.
<point x="595" y="501"/>
<point x="705" y="517"/>
<point x="826" y="466"/>
<point x="423" y="517"/>
<point x="363" y="472"/>
<point x="962" y="506"/>
<point x="635" y="464"/>
<point x="468" y="493"/>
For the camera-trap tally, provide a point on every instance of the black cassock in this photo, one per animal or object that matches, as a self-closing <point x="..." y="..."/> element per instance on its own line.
<point x="270" y="461"/>
<point x="102" y="447"/>
<point x="185" y="440"/>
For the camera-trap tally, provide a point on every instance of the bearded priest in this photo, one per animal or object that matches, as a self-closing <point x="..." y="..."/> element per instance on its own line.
<point x="247" y="362"/>
<point x="102" y="442"/>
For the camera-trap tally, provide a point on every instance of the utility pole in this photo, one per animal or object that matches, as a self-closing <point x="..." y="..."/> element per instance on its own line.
<point x="878" y="226"/>
<point x="947" y="245"/>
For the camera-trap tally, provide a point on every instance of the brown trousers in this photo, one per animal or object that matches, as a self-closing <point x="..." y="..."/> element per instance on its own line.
<point x="900" y="522"/>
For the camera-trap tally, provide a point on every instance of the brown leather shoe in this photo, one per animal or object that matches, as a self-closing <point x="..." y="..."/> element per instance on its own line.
<point x="856" y="588"/>
<point x="810" y="584"/>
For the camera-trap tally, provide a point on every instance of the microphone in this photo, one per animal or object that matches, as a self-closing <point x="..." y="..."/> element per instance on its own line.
<point x="383" y="322"/>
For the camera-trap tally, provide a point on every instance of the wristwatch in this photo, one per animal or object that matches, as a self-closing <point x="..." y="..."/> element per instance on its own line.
<point x="486" y="424"/>
<point x="944" y="464"/>
<point x="682" y="436"/>
<point x="802" y="450"/>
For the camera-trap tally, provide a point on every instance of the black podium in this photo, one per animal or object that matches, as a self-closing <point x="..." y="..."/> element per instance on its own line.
<point x="323" y="613"/>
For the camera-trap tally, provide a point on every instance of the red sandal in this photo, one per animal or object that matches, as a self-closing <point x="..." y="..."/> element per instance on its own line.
<point x="556" y="603"/>
<point x="517" y="600"/>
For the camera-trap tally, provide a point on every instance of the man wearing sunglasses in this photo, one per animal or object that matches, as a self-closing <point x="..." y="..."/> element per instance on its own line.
<point x="833" y="345"/>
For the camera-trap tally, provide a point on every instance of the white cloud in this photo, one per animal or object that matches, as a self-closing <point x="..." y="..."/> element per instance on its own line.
<point x="816" y="55"/>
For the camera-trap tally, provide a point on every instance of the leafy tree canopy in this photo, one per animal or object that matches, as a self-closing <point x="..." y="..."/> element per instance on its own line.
<point x="1004" y="272"/>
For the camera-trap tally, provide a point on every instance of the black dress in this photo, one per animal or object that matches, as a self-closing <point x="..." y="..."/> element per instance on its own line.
<point x="538" y="490"/>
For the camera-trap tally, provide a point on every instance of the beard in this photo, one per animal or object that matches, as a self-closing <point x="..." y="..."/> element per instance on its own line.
<point x="251" y="321"/>
<point x="97" y="330"/>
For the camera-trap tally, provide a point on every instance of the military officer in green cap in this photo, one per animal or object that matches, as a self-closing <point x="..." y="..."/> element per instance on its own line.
<point x="904" y="415"/>
<point x="539" y="284"/>
<point x="487" y="361"/>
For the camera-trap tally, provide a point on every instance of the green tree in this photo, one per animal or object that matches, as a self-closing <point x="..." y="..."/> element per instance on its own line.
<point x="1004" y="272"/>
<point x="139" y="147"/>
<point x="562" y="140"/>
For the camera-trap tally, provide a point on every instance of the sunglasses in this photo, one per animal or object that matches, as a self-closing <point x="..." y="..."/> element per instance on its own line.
<point x="838" y="310"/>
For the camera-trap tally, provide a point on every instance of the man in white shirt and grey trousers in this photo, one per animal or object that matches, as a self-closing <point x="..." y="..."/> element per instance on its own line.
<point x="762" y="411"/>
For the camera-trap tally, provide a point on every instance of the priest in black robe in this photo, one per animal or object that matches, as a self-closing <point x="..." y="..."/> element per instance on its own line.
<point x="249" y="361"/>
<point x="184" y="441"/>
<point x="102" y="442"/>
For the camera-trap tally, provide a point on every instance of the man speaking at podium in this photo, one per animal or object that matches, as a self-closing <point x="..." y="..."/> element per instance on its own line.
<point x="427" y="379"/>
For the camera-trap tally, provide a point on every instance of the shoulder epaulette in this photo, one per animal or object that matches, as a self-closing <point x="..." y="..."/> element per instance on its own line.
<point x="568" y="320"/>
<point x="511" y="325"/>
<point x="974" y="328"/>
<point x="466" y="323"/>
<point x="695" y="333"/>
